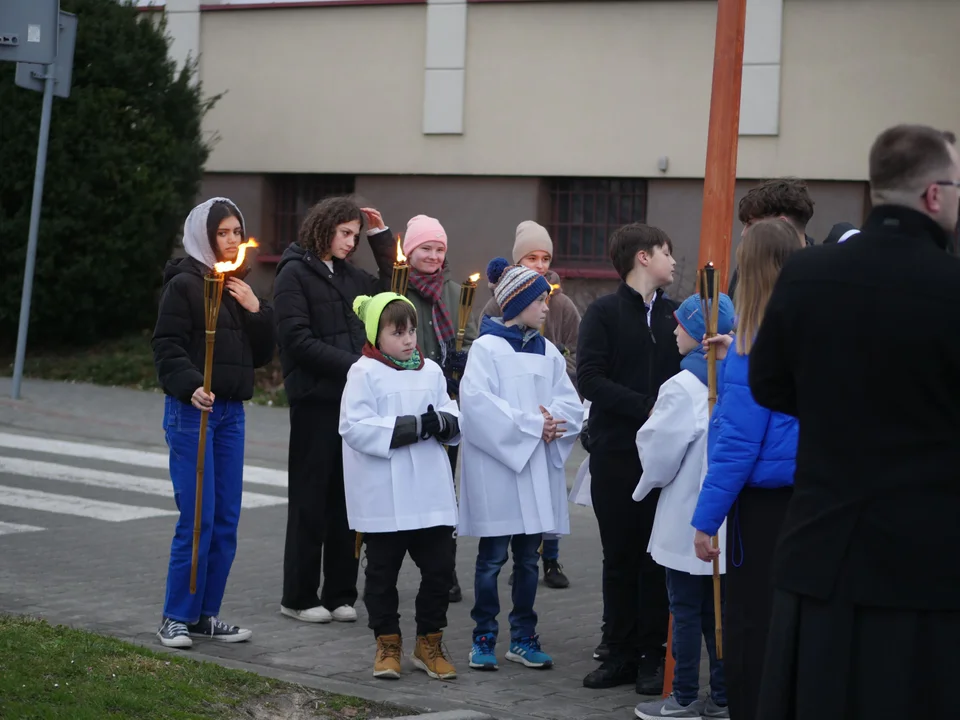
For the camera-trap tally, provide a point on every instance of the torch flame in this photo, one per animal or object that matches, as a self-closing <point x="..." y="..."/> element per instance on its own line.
<point x="401" y="258"/>
<point x="224" y="267"/>
<point x="554" y="288"/>
<point x="473" y="278"/>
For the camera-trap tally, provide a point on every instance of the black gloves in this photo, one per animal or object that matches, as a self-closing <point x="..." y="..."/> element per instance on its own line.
<point x="456" y="361"/>
<point x="431" y="424"/>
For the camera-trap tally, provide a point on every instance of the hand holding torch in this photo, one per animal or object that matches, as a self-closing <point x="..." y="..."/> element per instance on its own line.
<point x="212" y="295"/>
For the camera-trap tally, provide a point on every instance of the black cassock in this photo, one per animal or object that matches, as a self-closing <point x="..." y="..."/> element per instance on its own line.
<point x="861" y="342"/>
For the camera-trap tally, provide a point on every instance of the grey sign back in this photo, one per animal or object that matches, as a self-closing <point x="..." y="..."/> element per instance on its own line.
<point x="29" y="30"/>
<point x="30" y="75"/>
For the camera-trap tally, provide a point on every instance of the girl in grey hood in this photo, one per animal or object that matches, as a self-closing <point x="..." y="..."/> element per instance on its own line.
<point x="245" y="340"/>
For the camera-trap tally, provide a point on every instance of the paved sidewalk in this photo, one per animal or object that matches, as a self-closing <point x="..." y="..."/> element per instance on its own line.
<point x="109" y="576"/>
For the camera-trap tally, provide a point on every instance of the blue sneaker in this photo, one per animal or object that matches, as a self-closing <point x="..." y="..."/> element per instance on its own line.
<point x="528" y="652"/>
<point x="482" y="655"/>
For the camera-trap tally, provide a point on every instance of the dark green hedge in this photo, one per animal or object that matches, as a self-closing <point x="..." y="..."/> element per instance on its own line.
<point x="125" y="161"/>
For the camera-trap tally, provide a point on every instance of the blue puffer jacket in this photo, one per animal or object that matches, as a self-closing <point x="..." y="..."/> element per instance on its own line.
<point x="748" y="446"/>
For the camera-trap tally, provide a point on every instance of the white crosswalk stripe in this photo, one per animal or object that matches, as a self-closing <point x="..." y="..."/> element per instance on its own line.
<point x="143" y="458"/>
<point x="11" y="528"/>
<point x="76" y="481"/>
<point x="112" y="480"/>
<point x="70" y="505"/>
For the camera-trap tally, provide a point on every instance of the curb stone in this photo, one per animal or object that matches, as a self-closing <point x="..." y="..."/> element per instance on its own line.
<point x="451" y="715"/>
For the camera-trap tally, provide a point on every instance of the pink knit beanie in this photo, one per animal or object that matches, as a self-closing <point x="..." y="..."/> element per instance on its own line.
<point x="422" y="229"/>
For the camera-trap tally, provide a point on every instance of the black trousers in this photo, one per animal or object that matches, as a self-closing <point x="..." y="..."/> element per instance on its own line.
<point x="634" y="586"/>
<point x="430" y="549"/>
<point x="752" y="531"/>
<point x="318" y="536"/>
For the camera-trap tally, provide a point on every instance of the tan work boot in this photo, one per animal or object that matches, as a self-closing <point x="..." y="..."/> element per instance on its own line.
<point x="430" y="657"/>
<point x="387" y="662"/>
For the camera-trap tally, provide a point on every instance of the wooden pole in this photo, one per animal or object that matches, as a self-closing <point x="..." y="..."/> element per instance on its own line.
<point x="212" y="294"/>
<point x="720" y="174"/>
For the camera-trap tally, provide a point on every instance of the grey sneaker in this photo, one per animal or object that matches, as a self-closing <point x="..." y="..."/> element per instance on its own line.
<point x="173" y="633"/>
<point x="712" y="710"/>
<point x="668" y="708"/>
<point x="216" y="629"/>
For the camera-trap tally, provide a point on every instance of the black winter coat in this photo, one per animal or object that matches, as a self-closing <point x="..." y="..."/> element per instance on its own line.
<point x="621" y="364"/>
<point x="244" y="340"/>
<point x="861" y="342"/>
<point x="320" y="335"/>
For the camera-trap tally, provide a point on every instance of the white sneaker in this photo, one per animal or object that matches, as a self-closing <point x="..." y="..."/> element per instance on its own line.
<point x="345" y="613"/>
<point x="318" y="614"/>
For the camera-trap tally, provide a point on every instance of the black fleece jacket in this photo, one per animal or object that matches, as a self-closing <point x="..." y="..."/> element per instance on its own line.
<point x="622" y="362"/>
<point x="244" y="340"/>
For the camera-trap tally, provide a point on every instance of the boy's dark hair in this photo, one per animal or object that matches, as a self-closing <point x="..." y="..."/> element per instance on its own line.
<point x="950" y="136"/>
<point x="627" y="241"/>
<point x="907" y="156"/>
<point x="399" y="313"/>
<point x="219" y="212"/>
<point x="786" y="196"/>
<point x="318" y="227"/>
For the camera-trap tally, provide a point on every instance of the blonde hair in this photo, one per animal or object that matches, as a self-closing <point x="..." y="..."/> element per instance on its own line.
<point x="765" y="247"/>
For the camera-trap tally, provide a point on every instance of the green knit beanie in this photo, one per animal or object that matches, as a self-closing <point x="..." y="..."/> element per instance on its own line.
<point x="370" y="308"/>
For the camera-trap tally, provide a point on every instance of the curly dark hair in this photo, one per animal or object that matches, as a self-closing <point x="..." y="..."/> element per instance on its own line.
<point x="318" y="227"/>
<point x="786" y="196"/>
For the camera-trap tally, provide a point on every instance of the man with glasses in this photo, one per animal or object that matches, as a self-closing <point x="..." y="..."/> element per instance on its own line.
<point x="861" y="342"/>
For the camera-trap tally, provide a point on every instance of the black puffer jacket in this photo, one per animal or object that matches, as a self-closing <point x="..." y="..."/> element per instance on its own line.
<point x="319" y="334"/>
<point x="244" y="340"/>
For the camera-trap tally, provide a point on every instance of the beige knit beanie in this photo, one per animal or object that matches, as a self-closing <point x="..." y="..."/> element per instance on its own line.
<point x="531" y="236"/>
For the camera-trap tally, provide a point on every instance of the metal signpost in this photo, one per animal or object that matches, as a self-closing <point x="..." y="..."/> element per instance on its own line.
<point x="41" y="40"/>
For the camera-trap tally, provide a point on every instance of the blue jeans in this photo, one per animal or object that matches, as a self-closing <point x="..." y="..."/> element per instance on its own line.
<point x="491" y="556"/>
<point x="691" y="604"/>
<point x="222" y="490"/>
<point x="551" y="546"/>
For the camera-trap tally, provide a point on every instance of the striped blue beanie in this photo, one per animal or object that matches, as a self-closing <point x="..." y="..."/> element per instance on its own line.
<point x="516" y="286"/>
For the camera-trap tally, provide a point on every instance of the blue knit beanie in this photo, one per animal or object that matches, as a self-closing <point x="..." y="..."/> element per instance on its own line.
<point x="516" y="286"/>
<point x="690" y="316"/>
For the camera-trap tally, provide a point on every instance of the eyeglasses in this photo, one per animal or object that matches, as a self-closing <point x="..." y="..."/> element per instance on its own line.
<point x="943" y="183"/>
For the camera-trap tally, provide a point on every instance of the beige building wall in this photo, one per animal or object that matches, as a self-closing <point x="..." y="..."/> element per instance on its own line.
<point x="567" y="88"/>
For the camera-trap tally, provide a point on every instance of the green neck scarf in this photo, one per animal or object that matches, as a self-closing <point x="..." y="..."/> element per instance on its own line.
<point x="412" y="364"/>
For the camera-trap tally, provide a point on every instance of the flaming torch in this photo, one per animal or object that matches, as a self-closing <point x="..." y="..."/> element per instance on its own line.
<point x="401" y="271"/>
<point x="212" y="294"/>
<point x="553" y="288"/>
<point x="709" y="288"/>
<point x="466" y="306"/>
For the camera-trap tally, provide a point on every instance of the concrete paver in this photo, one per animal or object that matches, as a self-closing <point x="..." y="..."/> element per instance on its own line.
<point x="109" y="577"/>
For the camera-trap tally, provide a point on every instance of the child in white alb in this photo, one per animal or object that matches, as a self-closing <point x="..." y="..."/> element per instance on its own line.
<point x="673" y="450"/>
<point x="395" y="418"/>
<point x="520" y="418"/>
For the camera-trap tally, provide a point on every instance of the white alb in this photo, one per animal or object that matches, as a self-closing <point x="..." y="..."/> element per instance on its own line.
<point x="673" y="451"/>
<point x="513" y="483"/>
<point x="392" y="489"/>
